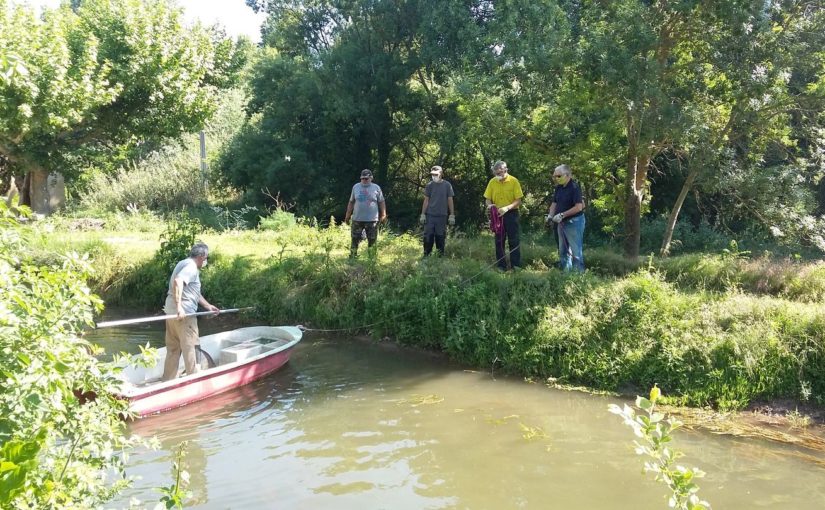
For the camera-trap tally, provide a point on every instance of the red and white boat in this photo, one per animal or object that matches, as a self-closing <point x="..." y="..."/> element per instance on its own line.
<point x="240" y="356"/>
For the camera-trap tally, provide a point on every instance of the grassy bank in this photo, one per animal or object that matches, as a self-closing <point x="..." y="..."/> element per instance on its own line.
<point x="688" y="323"/>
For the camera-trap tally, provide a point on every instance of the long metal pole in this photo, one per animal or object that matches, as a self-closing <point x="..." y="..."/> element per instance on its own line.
<point x="125" y="322"/>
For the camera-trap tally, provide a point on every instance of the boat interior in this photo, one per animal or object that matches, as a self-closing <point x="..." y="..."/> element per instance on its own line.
<point x="215" y="351"/>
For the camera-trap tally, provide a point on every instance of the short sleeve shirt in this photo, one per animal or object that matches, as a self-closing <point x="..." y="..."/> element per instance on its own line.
<point x="366" y="199"/>
<point x="438" y="193"/>
<point x="188" y="271"/>
<point x="566" y="197"/>
<point x="504" y="192"/>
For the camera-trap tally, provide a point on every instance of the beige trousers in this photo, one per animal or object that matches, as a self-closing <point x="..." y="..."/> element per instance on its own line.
<point x="181" y="338"/>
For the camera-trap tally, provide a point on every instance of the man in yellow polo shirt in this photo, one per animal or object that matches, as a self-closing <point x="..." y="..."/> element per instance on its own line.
<point x="504" y="192"/>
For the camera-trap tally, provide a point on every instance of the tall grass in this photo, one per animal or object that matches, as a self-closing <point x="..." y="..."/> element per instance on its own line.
<point x="170" y="178"/>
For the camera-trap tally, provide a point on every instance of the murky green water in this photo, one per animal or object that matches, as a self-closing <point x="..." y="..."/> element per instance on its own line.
<point x="349" y="424"/>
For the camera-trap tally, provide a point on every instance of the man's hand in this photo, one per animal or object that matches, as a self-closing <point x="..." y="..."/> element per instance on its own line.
<point x="557" y="218"/>
<point x="489" y="206"/>
<point x="181" y="313"/>
<point x="503" y="210"/>
<point x="548" y="218"/>
<point x="451" y="220"/>
<point x="346" y="220"/>
<point x="383" y="218"/>
<point x="213" y="308"/>
<point x="422" y="219"/>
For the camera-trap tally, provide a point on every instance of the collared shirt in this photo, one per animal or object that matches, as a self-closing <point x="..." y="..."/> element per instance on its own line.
<point x="504" y="192"/>
<point x="567" y="196"/>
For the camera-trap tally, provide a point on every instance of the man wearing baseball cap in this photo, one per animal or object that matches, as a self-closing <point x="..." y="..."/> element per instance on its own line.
<point x="438" y="203"/>
<point x="365" y="209"/>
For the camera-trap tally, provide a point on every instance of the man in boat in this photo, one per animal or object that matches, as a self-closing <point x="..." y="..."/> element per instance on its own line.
<point x="504" y="193"/>
<point x="438" y="203"/>
<point x="567" y="212"/>
<point x="183" y="299"/>
<point x="366" y="208"/>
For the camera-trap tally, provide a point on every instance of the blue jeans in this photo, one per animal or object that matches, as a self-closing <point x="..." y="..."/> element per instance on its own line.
<point x="571" y="240"/>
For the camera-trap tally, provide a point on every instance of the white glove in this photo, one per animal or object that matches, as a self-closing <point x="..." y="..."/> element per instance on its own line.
<point x="422" y="219"/>
<point x="557" y="218"/>
<point x="503" y="210"/>
<point x="548" y="218"/>
<point x="451" y="219"/>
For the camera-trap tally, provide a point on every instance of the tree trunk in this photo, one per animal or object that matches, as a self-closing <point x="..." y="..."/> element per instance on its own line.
<point x="46" y="192"/>
<point x="674" y="213"/>
<point x="39" y="191"/>
<point x="635" y="183"/>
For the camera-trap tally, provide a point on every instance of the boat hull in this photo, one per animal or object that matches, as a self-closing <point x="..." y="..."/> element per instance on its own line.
<point x="157" y="397"/>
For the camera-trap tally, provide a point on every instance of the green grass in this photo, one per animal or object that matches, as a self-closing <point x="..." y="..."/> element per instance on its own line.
<point x="711" y="329"/>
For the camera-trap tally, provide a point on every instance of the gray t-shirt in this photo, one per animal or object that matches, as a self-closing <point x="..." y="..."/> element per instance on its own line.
<point x="438" y="192"/>
<point x="366" y="200"/>
<point x="188" y="271"/>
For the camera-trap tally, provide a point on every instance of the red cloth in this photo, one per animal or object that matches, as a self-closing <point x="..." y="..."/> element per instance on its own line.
<point x="496" y="222"/>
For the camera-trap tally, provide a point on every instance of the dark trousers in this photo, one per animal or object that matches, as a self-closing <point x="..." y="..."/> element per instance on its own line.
<point x="511" y="233"/>
<point x="435" y="230"/>
<point x="361" y="230"/>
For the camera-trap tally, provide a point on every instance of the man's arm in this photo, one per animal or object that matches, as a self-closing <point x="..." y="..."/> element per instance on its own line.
<point x="509" y="207"/>
<point x="383" y="206"/>
<point x="350" y="205"/>
<point x="425" y="204"/>
<point x="177" y="295"/>
<point x="205" y="304"/>
<point x="573" y="210"/>
<point x="450" y="206"/>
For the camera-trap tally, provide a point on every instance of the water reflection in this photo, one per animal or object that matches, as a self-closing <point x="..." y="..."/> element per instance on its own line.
<point x="349" y="424"/>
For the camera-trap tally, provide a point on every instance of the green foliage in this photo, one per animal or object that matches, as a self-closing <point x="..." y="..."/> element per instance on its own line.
<point x="611" y="328"/>
<point x="655" y="433"/>
<point x="61" y="434"/>
<point x="169" y="178"/>
<point x="180" y="235"/>
<point x="102" y="77"/>
<point x="278" y="220"/>
<point x="175" y="494"/>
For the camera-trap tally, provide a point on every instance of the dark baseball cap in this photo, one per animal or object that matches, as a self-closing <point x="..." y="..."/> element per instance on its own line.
<point x="366" y="173"/>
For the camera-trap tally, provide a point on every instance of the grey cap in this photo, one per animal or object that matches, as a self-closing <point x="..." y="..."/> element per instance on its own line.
<point x="366" y="173"/>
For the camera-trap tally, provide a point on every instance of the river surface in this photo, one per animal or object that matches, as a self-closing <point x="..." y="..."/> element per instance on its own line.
<point x="352" y="424"/>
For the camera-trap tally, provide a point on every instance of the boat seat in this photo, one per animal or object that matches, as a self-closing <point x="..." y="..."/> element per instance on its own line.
<point x="239" y="352"/>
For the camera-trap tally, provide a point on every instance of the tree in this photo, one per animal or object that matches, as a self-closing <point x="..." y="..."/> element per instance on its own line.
<point x="679" y="79"/>
<point x="86" y="78"/>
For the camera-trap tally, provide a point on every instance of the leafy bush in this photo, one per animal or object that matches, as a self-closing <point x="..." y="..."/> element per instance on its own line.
<point x="170" y="178"/>
<point x="277" y="221"/>
<point x="61" y="435"/>
<point x="180" y="235"/>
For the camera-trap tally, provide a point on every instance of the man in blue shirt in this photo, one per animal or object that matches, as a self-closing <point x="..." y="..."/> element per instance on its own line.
<point x="567" y="212"/>
<point x="366" y="208"/>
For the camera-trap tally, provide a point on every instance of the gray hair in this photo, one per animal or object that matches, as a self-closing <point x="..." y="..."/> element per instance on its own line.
<point x="438" y="169"/>
<point x="199" y="250"/>
<point x="565" y="169"/>
<point x="499" y="164"/>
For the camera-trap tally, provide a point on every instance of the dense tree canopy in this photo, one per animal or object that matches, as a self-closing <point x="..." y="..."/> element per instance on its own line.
<point x="93" y="75"/>
<point x="722" y="101"/>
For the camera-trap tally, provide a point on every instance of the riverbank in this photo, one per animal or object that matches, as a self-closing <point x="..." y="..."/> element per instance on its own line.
<point x="607" y="329"/>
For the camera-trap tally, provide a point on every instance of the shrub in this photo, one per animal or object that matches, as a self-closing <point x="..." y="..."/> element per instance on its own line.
<point x="61" y="435"/>
<point x="277" y="221"/>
